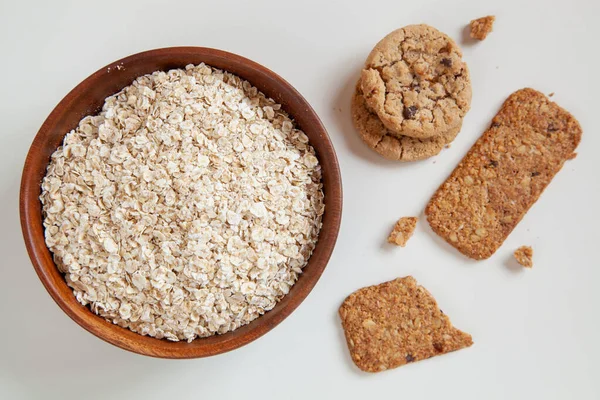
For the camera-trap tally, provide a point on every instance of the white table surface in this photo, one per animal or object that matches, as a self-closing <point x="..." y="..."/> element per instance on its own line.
<point x="536" y="332"/>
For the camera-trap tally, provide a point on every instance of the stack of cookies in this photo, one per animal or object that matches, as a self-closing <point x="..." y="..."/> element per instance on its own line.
<point x="413" y="94"/>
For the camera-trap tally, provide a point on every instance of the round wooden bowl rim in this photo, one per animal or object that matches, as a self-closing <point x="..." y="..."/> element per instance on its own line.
<point x="31" y="224"/>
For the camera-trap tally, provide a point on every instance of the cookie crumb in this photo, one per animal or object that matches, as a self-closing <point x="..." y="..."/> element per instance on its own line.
<point x="403" y="230"/>
<point x="396" y="323"/>
<point x="524" y="256"/>
<point x="551" y="94"/>
<point x="481" y="27"/>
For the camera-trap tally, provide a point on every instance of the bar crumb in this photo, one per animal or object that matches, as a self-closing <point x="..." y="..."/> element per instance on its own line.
<point x="403" y="230"/>
<point x="524" y="256"/>
<point x="481" y="27"/>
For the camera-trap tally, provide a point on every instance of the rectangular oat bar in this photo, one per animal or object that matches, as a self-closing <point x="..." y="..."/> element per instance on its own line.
<point x="503" y="174"/>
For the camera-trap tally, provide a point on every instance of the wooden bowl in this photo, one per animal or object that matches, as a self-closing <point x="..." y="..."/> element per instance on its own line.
<point x="87" y="99"/>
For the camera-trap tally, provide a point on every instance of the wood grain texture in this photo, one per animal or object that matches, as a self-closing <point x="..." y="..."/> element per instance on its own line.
<point x="87" y="99"/>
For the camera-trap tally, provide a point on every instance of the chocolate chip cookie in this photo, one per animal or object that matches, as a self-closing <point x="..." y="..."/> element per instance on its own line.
<point x="416" y="82"/>
<point x="391" y="145"/>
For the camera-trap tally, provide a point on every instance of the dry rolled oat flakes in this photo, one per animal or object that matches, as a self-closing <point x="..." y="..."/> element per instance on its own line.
<point x="186" y="208"/>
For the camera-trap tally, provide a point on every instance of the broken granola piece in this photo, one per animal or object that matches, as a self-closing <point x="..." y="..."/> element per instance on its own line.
<point x="395" y="323"/>
<point x="403" y="230"/>
<point x="481" y="27"/>
<point x="524" y="256"/>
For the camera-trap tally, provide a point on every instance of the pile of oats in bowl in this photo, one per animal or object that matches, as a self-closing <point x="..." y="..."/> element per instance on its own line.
<point x="186" y="208"/>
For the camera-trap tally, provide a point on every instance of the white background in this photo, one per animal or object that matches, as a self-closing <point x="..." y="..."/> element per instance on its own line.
<point x="536" y="332"/>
